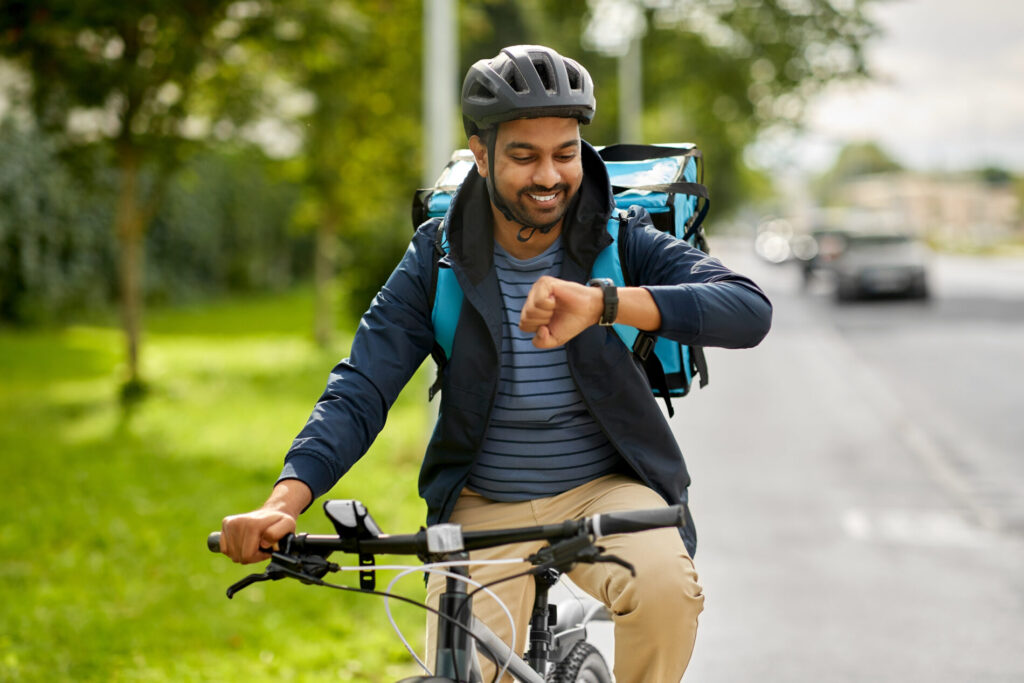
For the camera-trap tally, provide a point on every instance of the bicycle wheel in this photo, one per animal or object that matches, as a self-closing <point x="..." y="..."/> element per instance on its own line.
<point x="583" y="663"/>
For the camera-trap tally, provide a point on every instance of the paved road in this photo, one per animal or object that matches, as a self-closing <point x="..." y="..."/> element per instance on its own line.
<point x="957" y="365"/>
<point x="858" y="486"/>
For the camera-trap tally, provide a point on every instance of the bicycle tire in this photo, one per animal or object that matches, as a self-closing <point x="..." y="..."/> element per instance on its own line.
<point x="583" y="664"/>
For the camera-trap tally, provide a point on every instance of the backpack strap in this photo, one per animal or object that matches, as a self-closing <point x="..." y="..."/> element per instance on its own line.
<point x="700" y="364"/>
<point x="438" y="351"/>
<point x="643" y="345"/>
<point x="439" y="253"/>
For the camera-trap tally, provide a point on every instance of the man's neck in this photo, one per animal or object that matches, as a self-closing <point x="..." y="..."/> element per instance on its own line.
<point x="506" y="233"/>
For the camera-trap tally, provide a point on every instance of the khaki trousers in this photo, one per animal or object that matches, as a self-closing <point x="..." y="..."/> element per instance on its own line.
<point x="655" y="613"/>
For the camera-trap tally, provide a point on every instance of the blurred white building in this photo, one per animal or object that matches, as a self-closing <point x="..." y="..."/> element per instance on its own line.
<point x="947" y="208"/>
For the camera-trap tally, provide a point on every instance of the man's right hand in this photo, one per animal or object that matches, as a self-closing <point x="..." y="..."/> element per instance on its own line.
<point x="242" y="536"/>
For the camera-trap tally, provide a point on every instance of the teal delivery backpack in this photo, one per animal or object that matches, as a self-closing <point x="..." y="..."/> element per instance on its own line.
<point x="664" y="179"/>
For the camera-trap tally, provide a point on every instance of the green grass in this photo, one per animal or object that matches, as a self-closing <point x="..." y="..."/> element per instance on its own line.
<point x="104" y="575"/>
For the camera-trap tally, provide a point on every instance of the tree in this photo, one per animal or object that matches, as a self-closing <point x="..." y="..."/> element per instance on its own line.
<point x="121" y="77"/>
<point x="854" y="160"/>
<point x="350" y="71"/>
<point x="995" y="175"/>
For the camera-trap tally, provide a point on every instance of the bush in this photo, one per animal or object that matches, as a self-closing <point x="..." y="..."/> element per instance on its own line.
<point x="56" y="251"/>
<point x="223" y="227"/>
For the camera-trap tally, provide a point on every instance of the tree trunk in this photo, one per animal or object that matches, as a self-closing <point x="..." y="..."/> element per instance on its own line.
<point x="325" y="293"/>
<point x="129" y="223"/>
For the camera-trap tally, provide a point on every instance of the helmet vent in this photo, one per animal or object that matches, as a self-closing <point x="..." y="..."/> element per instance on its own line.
<point x="545" y="69"/>
<point x="480" y="92"/>
<point x="511" y="74"/>
<point x="574" y="76"/>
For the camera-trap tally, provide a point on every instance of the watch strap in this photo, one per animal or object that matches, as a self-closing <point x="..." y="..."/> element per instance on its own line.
<point x="610" y="299"/>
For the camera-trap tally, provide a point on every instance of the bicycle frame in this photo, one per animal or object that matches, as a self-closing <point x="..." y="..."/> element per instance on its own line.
<point x="456" y="647"/>
<point x="456" y="650"/>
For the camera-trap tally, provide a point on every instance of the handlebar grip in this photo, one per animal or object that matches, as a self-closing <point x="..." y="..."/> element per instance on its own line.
<point x="213" y="542"/>
<point x="638" y="520"/>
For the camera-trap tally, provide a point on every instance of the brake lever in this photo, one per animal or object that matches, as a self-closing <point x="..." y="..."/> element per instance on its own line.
<point x="595" y="554"/>
<point x="312" y="566"/>
<point x="614" y="559"/>
<point x="271" y="573"/>
<point x="306" y="568"/>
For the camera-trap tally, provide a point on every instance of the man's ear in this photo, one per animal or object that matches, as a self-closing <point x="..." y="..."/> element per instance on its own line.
<point x="479" y="150"/>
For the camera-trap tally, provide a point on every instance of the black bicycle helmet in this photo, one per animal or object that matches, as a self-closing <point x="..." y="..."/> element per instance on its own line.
<point x="522" y="82"/>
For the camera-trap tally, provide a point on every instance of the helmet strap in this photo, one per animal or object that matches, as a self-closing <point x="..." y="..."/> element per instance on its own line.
<point x="496" y="199"/>
<point x="519" y="235"/>
<point x="499" y="202"/>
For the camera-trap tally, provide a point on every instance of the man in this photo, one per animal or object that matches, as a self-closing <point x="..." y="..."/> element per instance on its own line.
<point x="544" y="415"/>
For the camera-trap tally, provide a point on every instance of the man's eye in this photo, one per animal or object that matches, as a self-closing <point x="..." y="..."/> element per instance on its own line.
<point x="566" y="157"/>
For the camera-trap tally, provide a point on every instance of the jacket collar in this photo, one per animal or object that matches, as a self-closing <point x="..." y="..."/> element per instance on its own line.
<point x="470" y="224"/>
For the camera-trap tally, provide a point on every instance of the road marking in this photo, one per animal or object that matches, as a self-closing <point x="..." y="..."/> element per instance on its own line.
<point x="945" y="528"/>
<point x="936" y="463"/>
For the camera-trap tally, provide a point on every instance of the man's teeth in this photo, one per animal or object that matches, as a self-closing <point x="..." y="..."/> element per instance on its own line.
<point x="542" y="197"/>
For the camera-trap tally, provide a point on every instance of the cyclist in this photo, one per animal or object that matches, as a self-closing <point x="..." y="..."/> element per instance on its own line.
<point x="544" y="414"/>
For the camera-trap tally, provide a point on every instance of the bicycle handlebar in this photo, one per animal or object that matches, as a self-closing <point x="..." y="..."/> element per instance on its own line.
<point x="637" y="520"/>
<point x="417" y="544"/>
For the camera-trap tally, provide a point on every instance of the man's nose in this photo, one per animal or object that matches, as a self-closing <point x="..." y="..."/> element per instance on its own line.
<point x="546" y="174"/>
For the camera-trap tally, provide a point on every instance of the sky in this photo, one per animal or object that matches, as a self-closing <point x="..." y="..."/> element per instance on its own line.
<point x="948" y="93"/>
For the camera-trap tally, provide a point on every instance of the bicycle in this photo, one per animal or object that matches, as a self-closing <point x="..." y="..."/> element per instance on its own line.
<point x="558" y="650"/>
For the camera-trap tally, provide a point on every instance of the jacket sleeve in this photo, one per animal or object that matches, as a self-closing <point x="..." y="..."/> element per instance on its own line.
<point x="393" y="338"/>
<point x="702" y="302"/>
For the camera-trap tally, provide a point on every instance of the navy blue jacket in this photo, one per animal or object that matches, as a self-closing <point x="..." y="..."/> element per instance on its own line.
<point x="702" y="303"/>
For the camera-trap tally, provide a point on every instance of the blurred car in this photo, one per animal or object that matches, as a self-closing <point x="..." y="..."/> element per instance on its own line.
<point x="818" y="250"/>
<point x="883" y="264"/>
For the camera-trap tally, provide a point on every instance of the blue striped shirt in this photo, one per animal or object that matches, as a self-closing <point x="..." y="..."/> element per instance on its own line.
<point x="541" y="439"/>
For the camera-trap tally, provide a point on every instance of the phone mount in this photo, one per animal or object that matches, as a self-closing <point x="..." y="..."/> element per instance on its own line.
<point x="352" y="520"/>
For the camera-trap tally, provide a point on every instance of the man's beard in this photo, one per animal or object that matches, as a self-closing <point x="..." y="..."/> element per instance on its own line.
<point x="521" y="214"/>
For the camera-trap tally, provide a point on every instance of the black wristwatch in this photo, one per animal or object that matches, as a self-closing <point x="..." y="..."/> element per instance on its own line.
<point x="611" y="300"/>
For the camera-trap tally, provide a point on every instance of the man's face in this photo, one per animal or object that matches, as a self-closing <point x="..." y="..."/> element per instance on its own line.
<point x="537" y="168"/>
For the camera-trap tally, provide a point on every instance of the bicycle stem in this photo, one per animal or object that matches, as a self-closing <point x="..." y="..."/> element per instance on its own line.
<point x="454" y="646"/>
<point x="541" y="621"/>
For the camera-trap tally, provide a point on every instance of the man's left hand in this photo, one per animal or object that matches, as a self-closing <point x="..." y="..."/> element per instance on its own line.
<point x="557" y="310"/>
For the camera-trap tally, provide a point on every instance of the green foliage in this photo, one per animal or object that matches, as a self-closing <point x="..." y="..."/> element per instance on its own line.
<point x="105" y="573"/>
<point x="358" y="65"/>
<point x="862" y="158"/>
<point x="996" y="175"/>
<point x="132" y="64"/>
<point x="332" y="89"/>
